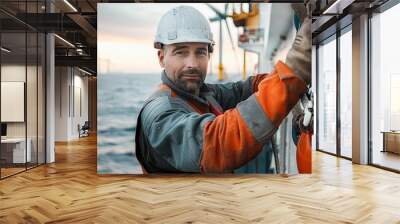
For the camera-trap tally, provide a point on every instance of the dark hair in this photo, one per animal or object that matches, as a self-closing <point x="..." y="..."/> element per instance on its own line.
<point x="162" y="46"/>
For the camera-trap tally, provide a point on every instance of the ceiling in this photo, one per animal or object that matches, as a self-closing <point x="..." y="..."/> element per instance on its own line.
<point x="75" y="23"/>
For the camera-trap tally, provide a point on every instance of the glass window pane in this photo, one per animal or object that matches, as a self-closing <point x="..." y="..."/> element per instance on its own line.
<point x="13" y="86"/>
<point x="346" y="94"/>
<point x="23" y="88"/>
<point x="385" y="84"/>
<point x="327" y="97"/>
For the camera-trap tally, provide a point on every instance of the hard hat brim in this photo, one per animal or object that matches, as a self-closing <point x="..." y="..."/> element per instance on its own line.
<point x="191" y="40"/>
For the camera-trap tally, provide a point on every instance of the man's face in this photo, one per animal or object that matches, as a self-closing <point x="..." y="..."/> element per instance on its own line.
<point x="185" y="64"/>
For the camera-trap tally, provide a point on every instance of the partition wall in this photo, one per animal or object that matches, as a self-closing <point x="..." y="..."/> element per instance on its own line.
<point x="22" y="77"/>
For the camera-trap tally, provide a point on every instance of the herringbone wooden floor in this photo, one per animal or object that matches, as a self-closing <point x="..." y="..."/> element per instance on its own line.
<point x="70" y="191"/>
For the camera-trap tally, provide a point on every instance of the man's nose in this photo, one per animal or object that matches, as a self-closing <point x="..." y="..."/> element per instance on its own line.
<point x="192" y="61"/>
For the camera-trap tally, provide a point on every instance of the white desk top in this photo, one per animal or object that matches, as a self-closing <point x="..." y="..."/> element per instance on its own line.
<point x="13" y="140"/>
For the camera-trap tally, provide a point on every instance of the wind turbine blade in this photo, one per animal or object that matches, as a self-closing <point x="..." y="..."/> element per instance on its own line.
<point x="217" y="18"/>
<point x="219" y="13"/>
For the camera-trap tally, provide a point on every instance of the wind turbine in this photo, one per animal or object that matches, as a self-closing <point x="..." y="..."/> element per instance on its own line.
<point x="220" y="18"/>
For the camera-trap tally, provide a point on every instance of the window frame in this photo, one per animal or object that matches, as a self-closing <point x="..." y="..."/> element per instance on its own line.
<point x="334" y="37"/>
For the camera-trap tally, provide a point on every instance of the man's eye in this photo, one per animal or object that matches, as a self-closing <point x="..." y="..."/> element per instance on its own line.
<point x="202" y="53"/>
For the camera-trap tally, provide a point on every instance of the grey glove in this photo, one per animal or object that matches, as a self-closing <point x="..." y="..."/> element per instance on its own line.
<point x="304" y="9"/>
<point x="299" y="56"/>
<point x="300" y="10"/>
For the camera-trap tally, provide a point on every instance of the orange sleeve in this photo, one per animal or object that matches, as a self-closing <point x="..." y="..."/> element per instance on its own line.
<point x="237" y="136"/>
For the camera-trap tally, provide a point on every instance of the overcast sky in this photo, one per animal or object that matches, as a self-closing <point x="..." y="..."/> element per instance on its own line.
<point x="126" y="33"/>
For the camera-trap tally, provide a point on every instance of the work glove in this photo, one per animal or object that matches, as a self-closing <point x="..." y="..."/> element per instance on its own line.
<point x="300" y="10"/>
<point x="299" y="56"/>
<point x="304" y="9"/>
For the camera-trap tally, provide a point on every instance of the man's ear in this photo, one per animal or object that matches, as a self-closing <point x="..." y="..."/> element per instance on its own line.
<point x="161" y="57"/>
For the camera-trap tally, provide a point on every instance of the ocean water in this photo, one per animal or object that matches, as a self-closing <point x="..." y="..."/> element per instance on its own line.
<point x="120" y="97"/>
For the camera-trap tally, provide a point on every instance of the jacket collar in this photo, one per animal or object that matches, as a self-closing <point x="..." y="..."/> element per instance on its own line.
<point x="203" y="90"/>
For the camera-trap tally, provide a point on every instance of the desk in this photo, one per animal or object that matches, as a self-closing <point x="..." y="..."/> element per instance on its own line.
<point x="391" y="141"/>
<point x="15" y="148"/>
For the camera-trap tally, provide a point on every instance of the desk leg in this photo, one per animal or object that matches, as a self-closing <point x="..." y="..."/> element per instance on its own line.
<point x="384" y="142"/>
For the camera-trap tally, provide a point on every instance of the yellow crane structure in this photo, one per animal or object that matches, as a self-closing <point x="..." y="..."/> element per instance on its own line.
<point x="249" y="21"/>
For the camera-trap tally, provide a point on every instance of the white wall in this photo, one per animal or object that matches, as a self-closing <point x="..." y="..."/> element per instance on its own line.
<point x="12" y="73"/>
<point x="70" y="83"/>
<point x="62" y="81"/>
<point x="79" y="117"/>
<point x="33" y="126"/>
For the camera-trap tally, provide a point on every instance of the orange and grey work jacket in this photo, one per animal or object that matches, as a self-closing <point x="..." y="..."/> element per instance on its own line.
<point x="219" y="131"/>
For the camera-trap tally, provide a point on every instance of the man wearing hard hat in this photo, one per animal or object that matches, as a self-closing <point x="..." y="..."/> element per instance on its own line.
<point x="190" y="126"/>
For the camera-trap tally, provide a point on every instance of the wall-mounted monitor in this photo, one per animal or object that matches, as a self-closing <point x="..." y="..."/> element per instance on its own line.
<point x="12" y="101"/>
<point x="3" y="129"/>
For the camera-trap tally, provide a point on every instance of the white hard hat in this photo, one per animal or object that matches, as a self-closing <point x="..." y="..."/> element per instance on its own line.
<point x="183" y="24"/>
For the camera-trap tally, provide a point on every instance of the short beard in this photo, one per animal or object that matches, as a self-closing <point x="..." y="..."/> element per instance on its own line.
<point x="184" y="84"/>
